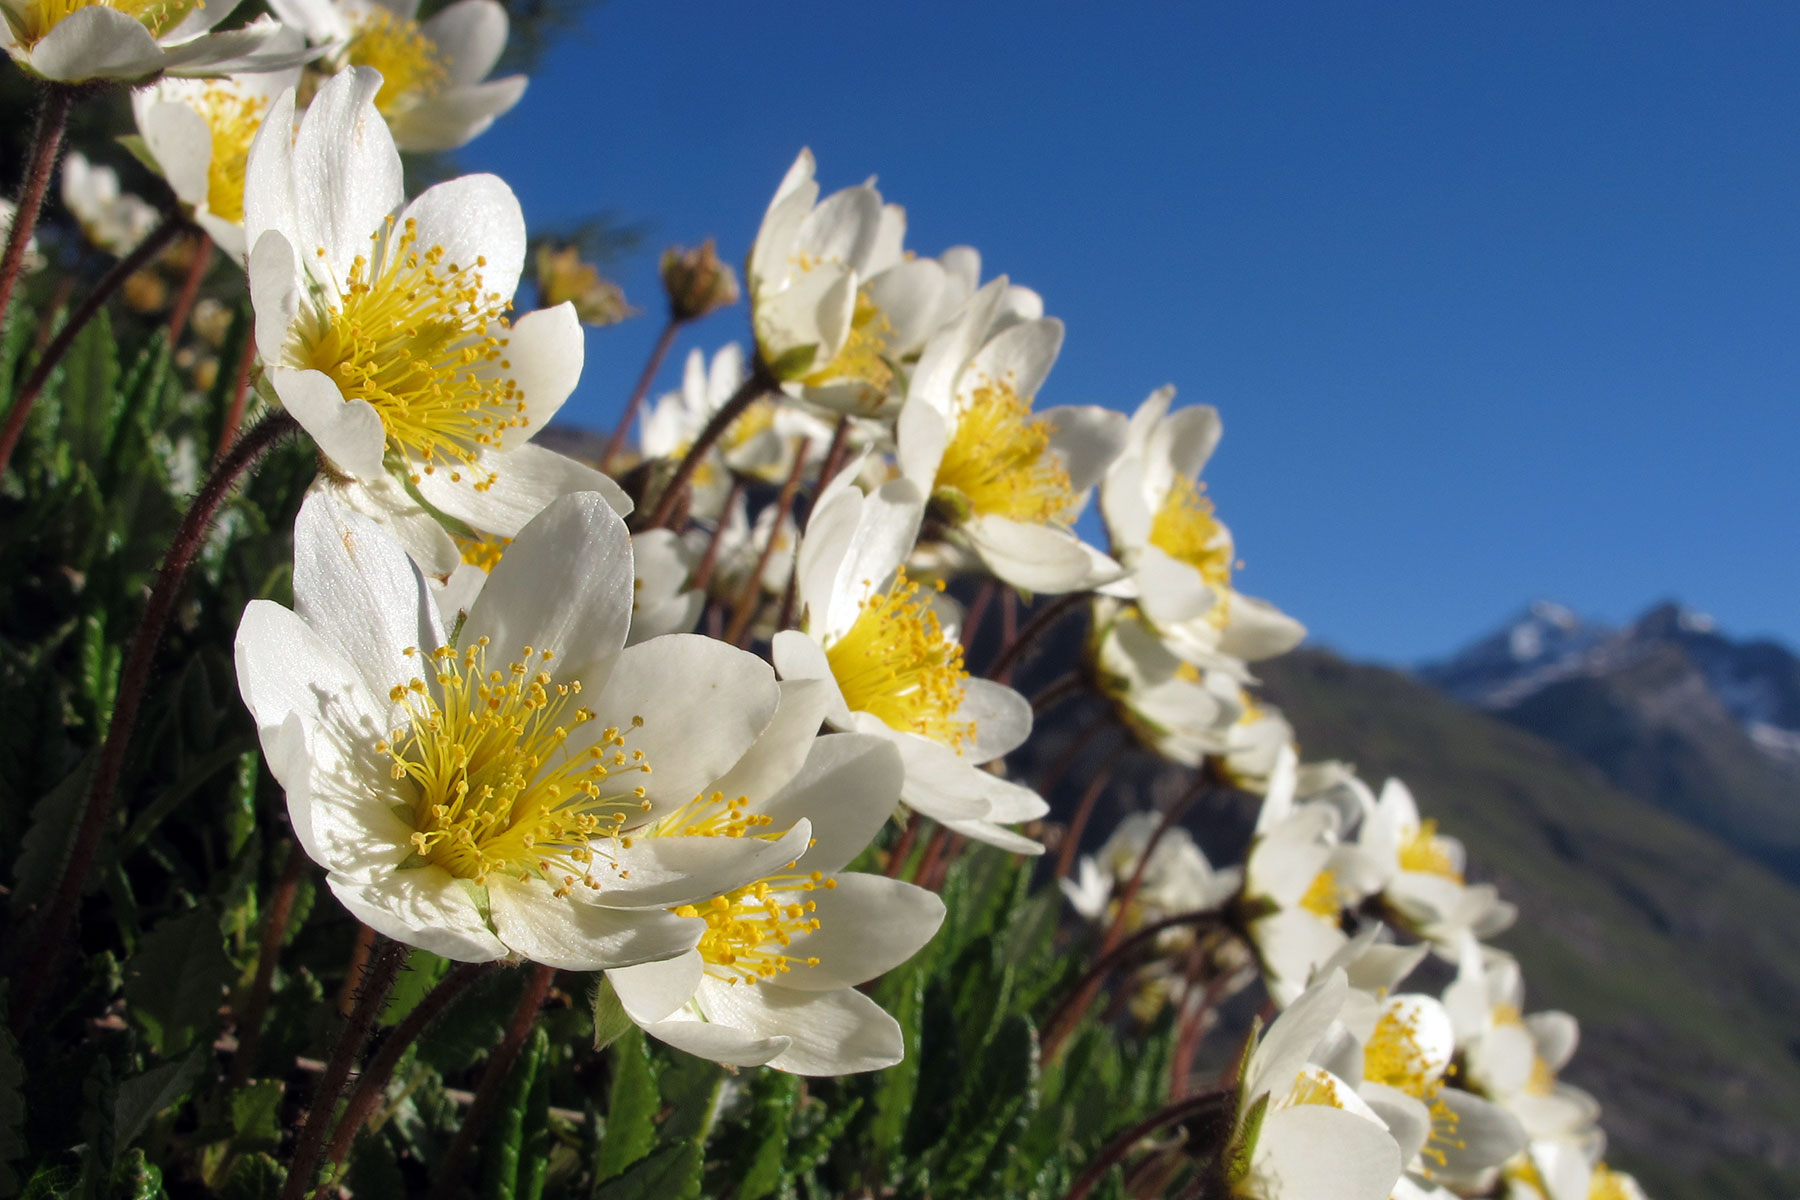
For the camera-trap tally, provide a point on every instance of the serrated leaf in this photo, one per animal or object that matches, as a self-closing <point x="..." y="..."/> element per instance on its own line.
<point x="174" y="982"/>
<point x="256" y="1114"/>
<point x="669" y="1173"/>
<point x="1243" y="1141"/>
<point x="421" y="973"/>
<point x="631" y="1107"/>
<point x="51" y="1183"/>
<point x="50" y="838"/>
<point x="757" y="1165"/>
<point x="260" y="1177"/>
<point x="991" y="1113"/>
<point x="89" y="380"/>
<point x="504" y="1141"/>
<point x="137" y="1178"/>
<point x="690" y="1094"/>
<point x="611" y="1021"/>
<point x="891" y="1091"/>
<point x="140" y="1099"/>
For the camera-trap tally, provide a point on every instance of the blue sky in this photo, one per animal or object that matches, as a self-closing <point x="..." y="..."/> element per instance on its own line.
<point x="1496" y="301"/>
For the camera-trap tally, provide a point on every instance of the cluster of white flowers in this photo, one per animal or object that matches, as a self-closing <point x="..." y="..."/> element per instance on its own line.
<point x="500" y="737"/>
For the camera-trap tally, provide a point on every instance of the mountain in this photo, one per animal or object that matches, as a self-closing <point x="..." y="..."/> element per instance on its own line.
<point x="1668" y="708"/>
<point x="1678" y="952"/>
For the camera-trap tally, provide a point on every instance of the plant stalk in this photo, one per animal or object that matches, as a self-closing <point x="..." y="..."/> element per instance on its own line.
<point x="52" y="933"/>
<point x="658" y="352"/>
<point x="752" y="389"/>
<point x="40" y="162"/>
<point x="256" y="1003"/>
<point x="746" y="605"/>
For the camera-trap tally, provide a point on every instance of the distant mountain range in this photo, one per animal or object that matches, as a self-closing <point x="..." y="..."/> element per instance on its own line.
<point x="1668" y="708"/>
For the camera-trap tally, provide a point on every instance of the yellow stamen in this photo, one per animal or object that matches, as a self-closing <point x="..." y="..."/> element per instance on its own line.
<point x="487" y="777"/>
<point x="1324" y="897"/>
<point x="417" y="338"/>
<point x="999" y="462"/>
<point x="1314" y="1086"/>
<point x="1186" y="530"/>
<point x="233" y="117"/>
<point x="412" y="69"/>
<point x="897" y="663"/>
<point x="1423" y="850"/>
<point x="34" y="19"/>
<point x="863" y="356"/>
<point x="483" y="552"/>
<point x="749" y="931"/>
<point x="1607" y="1184"/>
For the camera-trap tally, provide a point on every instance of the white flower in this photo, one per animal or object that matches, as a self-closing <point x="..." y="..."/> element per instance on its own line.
<point x="1165" y="701"/>
<point x="878" y="640"/>
<point x="1164" y="528"/>
<point x="1177" y="878"/>
<point x="481" y="799"/>
<point x="385" y="330"/>
<point x="661" y="601"/>
<point x="1421" y="874"/>
<point x="836" y="304"/>
<point x="113" y="220"/>
<point x="1011" y="483"/>
<point x="773" y="978"/>
<point x="199" y="132"/>
<point x="1318" y="1140"/>
<point x="33" y="260"/>
<point x="435" y="94"/>
<point x="73" y="41"/>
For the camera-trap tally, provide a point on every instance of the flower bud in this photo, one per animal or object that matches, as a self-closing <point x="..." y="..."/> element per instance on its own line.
<point x="697" y="282"/>
<point x="561" y="275"/>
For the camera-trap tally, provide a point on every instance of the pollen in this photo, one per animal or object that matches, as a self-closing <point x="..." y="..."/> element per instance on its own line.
<point x="999" y="462"/>
<point x="1315" y="1086"/>
<point x="412" y="69"/>
<point x="749" y="931"/>
<point x="233" y="117"/>
<point x="1187" y="530"/>
<point x="897" y="662"/>
<point x="863" y="357"/>
<point x="34" y="19"/>
<point x="1607" y="1184"/>
<point x="1324" y="897"/>
<point x="484" y="551"/>
<point x="1424" y="851"/>
<point x="418" y="338"/>
<point x="1393" y="1055"/>
<point x="501" y="772"/>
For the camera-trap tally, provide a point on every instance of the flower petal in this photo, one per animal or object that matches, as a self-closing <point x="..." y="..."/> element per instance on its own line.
<point x="346" y="173"/>
<point x="424" y="907"/>
<point x="719" y="1043"/>
<point x="562" y="932"/>
<point x="651" y="991"/>
<point x="526" y="480"/>
<point x="348" y="431"/>
<point x="868" y="925"/>
<point x="474" y="217"/>
<point x="96" y="43"/>
<point x="833" y="1033"/>
<point x="848" y="787"/>
<point x="469" y="35"/>
<point x="667" y="871"/>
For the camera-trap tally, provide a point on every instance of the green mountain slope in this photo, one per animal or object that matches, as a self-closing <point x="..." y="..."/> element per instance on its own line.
<point x="1680" y="955"/>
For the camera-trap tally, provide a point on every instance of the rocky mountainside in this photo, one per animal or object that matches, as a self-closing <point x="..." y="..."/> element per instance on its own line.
<point x="1678" y="952"/>
<point x="1668" y="708"/>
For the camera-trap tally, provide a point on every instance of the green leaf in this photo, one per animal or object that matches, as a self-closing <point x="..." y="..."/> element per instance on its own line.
<point x="631" y="1107"/>
<point x="52" y="1183"/>
<point x="422" y="972"/>
<point x="690" y="1094"/>
<point x="670" y="1173"/>
<point x="50" y="838"/>
<point x="137" y="1178"/>
<point x="12" y="1109"/>
<point x="256" y="1115"/>
<point x="140" y="1099"/>
<point x="794" y="363"/>
<point x="506" y="1132"/>
<point x="757" y="1165"/>
<point x="992" y="1113"/>
<point x="170" y="798"/>
<point x="1243" y="1141"/>
<point x="174" y="982"/>
<point x="90" y="377"/>
<point x="902" y="993"/>
<point x="260" y="1177"/>
<point x="611" y="1021"/>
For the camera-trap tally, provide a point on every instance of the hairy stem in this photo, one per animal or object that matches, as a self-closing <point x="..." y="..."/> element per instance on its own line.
<point x="493" y="1078"/>
<point x="125" y="268"/>
<point x="658" y="352"/>
<point x="752" y="389"/>
<point x="256" y="1003"/>
<point x="200" y="246"/>
<point x="1041" y="621"/>
<point x="52" y="932"/>
<point x="1178" y="1113"/>
<point x="746" y="605"/>
<point x="40" y="162"/>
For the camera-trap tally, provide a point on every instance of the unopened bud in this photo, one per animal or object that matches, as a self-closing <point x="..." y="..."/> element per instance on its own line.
<point x="697" y="282"/>
<point x="145" y="292"/>
<point x="561" y="275"/>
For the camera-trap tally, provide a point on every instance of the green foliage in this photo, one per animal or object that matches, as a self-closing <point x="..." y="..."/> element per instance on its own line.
<point x="174" y="982"/>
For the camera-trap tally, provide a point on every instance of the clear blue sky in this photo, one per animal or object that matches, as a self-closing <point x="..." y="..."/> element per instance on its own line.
<point x="1497" y="301"/>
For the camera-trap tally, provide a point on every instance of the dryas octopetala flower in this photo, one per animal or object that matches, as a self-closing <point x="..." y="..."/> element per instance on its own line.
<point x="1169" y="704"/>
<point x="1181" y="555"/>
<point x="198" y="133"/>
<point x="1420" y="875"/>
<point x="837" y="305"/>
<point x="1303" y="1132"/>
<point x="1177" y="878"/>
<point x="79" y="41"/>
<point x="773" y="980"/>
<point x="386" y="333"/>
<point x="482" y="798"/>
<point x="435" y="94"/>
<point x="111" y="219"/>
<point x="877" y="638"/>
<point x="1009" y="482"/>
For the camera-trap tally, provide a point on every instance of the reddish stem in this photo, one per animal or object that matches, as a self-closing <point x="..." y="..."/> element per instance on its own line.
<point x="374" y="1080"/>
<point x="1041" y="620"/>
<point x="752" y="389"/>
<point x="903" y="848"/>
<point x="371" y="993"/>
<point x="703" y="571"/>
<point x="493" y="1078"/>
<point x="658" y="352"/>
<point x="240" y="393"/>
<point x="1062" y="1019"/>
<point x="52" y="933"/>
<point x="834" y="457"/>
<point x="200" y="247"/>
<point x="359" y="956"/>
<point x="1084" y="811"/>
<point x="978" y="607"/>
<point x="125" y="268"/>
<point x="752" y="593"/>
<point x="1058" y="689"/>
<point x="1119" y="1147"/>
<point x="256" y="1003"/>
<point x="40" y="162"/>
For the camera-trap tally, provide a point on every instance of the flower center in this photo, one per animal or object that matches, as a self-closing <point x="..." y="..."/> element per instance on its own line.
<point x="1607" y="1184"/>
<point x="1393" y="1055"/>
<point x="490" y="783"/>
<point x="33" y="20"/>
<point x="1186" y="530"/>
<point x="233" y="117"/>
<point x="412" y="69"/>
<point x="1324" y="897"/>
<point x="483" y="551"/>
<point x="749" y="931"/>
<point x="897" y="663"/>
<point x="999" y="462"/>
<point x="1314" y="1085"/>
<point x="1423" y="850"/>
<point x="419" y="339"/>
<point x="863" y="356"/>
